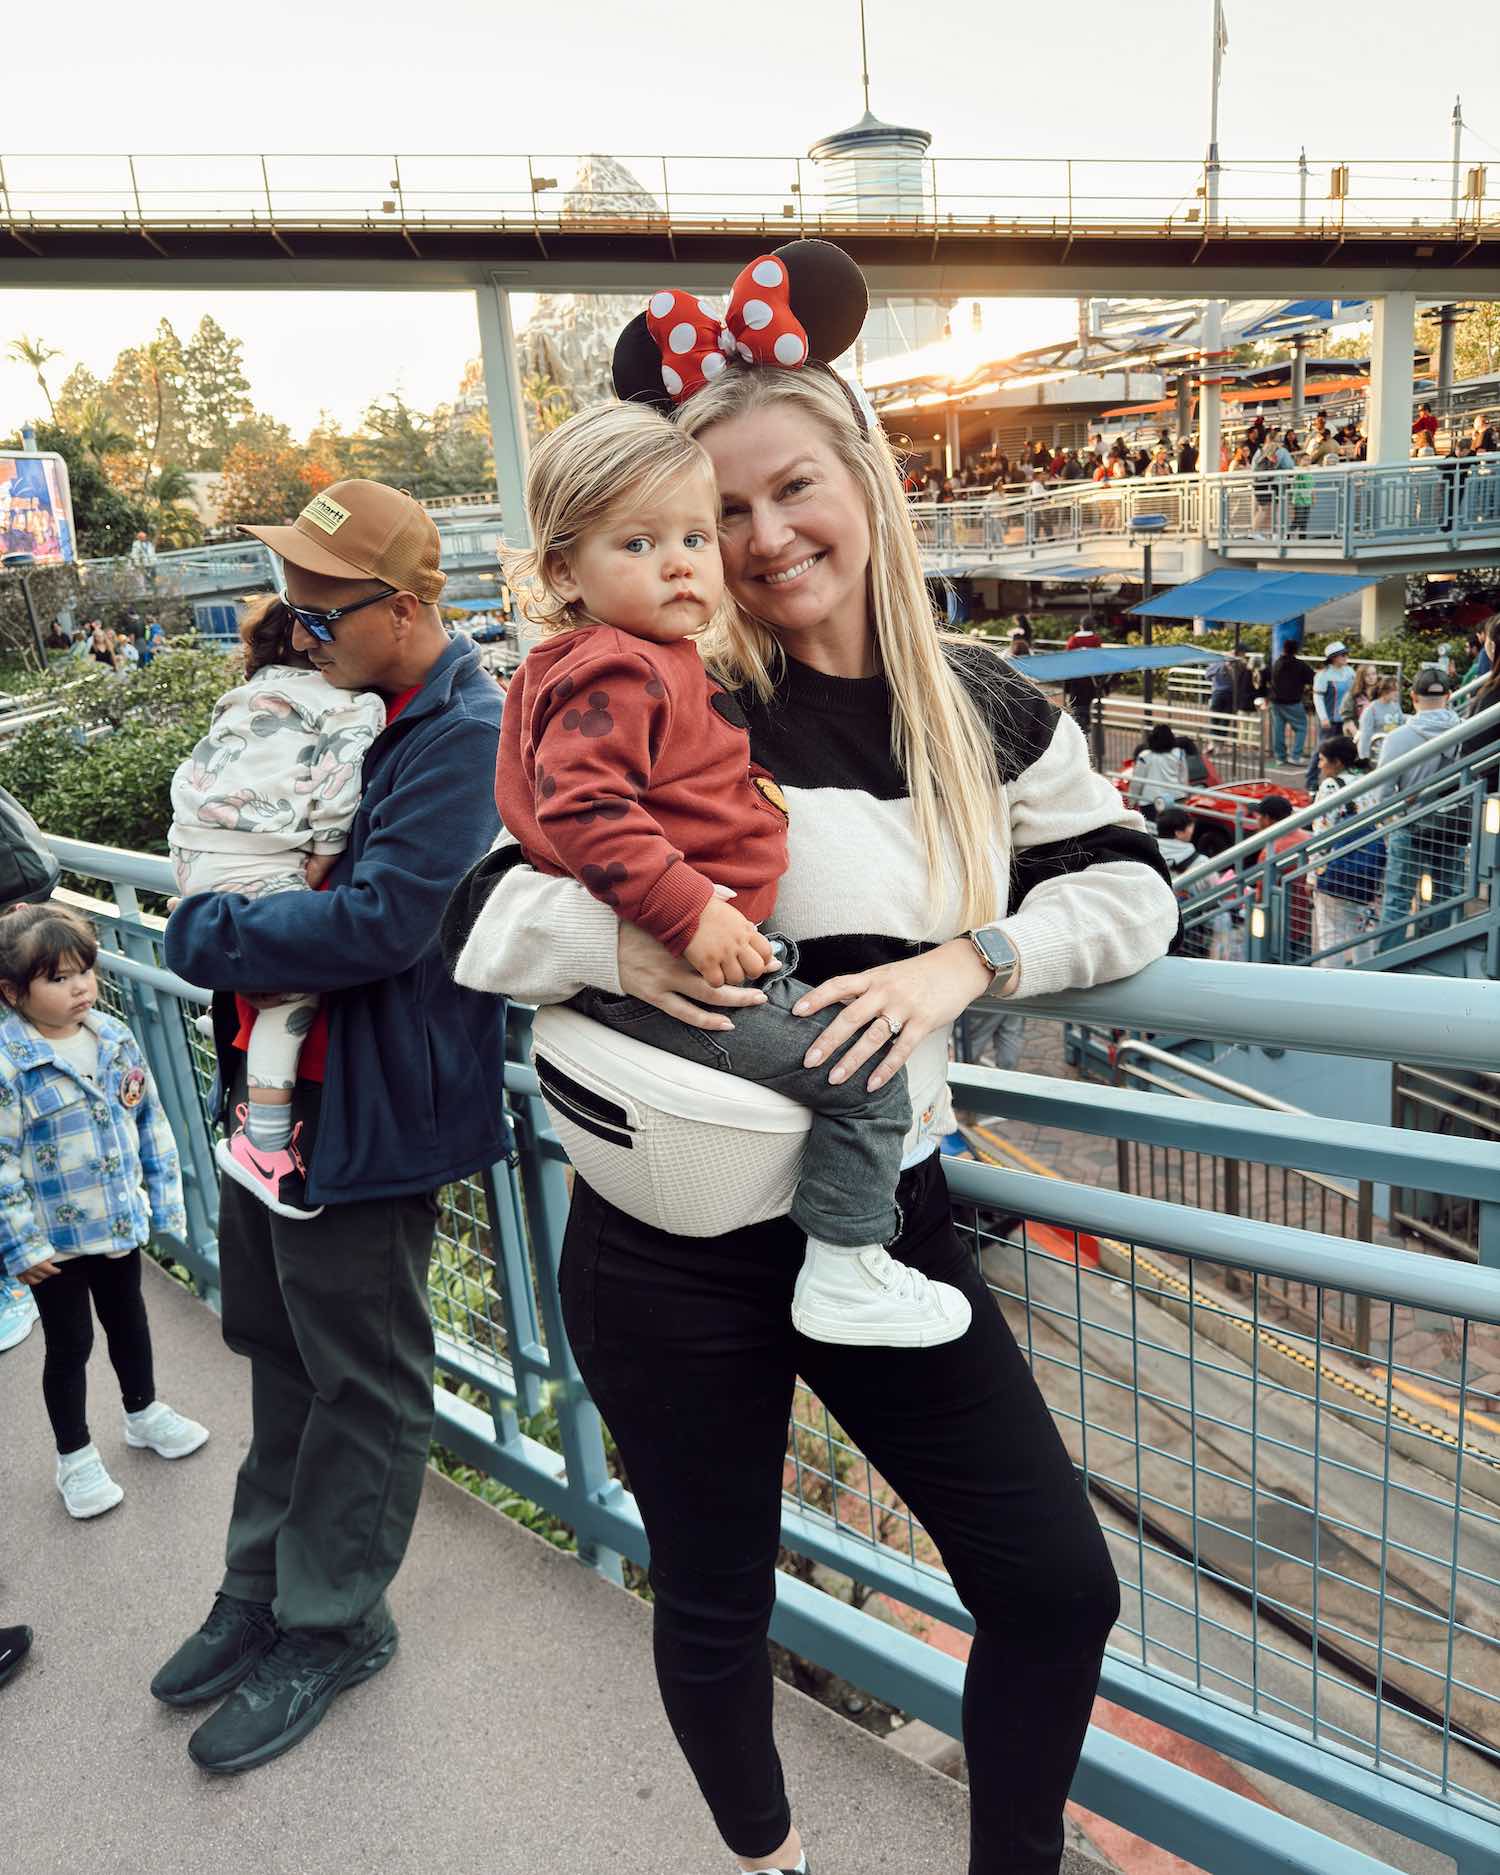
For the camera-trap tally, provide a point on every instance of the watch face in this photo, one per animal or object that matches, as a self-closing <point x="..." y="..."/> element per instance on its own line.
<point x="999" y="953"/>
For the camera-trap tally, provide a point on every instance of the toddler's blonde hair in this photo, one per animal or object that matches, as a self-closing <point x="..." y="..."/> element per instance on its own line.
<point x="581" y="473"/>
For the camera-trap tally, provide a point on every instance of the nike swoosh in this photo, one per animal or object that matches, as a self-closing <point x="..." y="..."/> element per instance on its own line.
<point x="266" y="1171"/>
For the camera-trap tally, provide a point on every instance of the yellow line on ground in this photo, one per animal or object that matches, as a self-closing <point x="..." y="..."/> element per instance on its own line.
<point x="1201" y="1298"/>
<point x="1435" y="1399"/>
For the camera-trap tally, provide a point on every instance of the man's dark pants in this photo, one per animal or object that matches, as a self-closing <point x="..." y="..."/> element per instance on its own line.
<point x="332" y="1315"/>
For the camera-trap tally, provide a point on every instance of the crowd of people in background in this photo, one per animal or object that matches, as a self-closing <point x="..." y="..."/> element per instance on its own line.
<point x="1261" y="446"/>
<point x="129" y="644"/>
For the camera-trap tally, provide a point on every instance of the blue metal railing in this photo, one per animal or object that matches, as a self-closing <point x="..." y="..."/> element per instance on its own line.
<point x="1427" y="847"/>
<point x="1449" y="504"/>
<point x="1308" y="1543"/>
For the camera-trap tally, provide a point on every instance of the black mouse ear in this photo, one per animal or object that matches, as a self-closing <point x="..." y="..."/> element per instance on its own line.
<point x="636" y="367"/>
<point x="828" y="295"/>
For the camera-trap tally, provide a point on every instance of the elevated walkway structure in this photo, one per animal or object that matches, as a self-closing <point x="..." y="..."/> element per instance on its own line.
<point x="986" y="226"/>
<point x="1308" y="1542"/>
<point x="1387" y="519"/>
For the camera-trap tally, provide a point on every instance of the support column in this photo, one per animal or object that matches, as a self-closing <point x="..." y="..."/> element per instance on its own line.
<point x="1184" y="404"/>
<point x="1299" y="380"/>
<point x="952" y="448"/>
<point x="1391" y="351"/>
<point x="1447" y="327"/>
<point x="1383" y="607"/>
<point x="502" y="389"/>
<point x="1210" y="369"/>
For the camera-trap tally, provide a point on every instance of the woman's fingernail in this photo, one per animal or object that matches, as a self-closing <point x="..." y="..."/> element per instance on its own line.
<point x="876" y="1080"/>
<point x="837" y="1075"/>
<point x="799" y="1009"/>
<point x="721" y="1026"/>
<point x="814" y="1056"/>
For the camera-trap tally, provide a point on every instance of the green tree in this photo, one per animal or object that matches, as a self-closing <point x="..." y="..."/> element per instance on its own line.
<point x="38" y="354"/>
<point x="97" y="431"/>
<point x="395" y="445"/>
<point x="144" y="394"/>
<point x="215" y="391"/>
<point x="80" y="388"/>
<point x="1476" y="342"/>
<point x="547" y="403"/>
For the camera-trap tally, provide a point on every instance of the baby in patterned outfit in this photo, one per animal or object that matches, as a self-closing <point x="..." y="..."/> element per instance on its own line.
<point x="264" y="804"/>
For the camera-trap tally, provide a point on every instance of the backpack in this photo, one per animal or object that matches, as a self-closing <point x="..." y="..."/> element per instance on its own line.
<point x="28" y="869"/>
<point x="1355" y="873"/>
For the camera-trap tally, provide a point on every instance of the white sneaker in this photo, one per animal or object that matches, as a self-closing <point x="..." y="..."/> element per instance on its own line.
<point x="87" y="1488"/>
<point x="866" y="1298"/>
<point x="204" y="1024"/>
<point x="169" y="1434"/>
<point x="18" y="1313"/>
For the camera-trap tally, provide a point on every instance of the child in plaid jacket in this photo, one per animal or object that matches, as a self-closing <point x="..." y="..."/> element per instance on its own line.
<point x="88" y="1171"/>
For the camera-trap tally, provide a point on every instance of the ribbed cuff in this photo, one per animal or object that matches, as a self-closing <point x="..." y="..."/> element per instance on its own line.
<point x="671" y="909"/>
<point x="1046" y="945"/>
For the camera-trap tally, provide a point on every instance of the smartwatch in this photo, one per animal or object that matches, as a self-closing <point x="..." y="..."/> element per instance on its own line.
<point x="999" y="956"/>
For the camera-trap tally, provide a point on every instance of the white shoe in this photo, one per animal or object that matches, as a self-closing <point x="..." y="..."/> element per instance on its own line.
<point x="87" y="1488"/>
<point x="18" y="1313"/>
<point x="866" y="1298"/>
<point x="169" y="1434"/>
<point x="204" y="1024"/>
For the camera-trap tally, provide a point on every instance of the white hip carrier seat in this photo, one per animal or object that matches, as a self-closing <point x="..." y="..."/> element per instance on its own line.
<point x="681" y="1146"/>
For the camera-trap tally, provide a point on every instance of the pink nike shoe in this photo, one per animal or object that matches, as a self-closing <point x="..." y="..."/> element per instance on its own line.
<point x="277" y="1178"/>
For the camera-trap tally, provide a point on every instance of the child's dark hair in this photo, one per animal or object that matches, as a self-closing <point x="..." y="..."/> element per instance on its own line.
<point x="35" y="939"/>
<point x="266" y="634"/>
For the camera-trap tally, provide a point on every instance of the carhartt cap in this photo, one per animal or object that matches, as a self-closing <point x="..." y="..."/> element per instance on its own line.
<point x="363" y="530"/>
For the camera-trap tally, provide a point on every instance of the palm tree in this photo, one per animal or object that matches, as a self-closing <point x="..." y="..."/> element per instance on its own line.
<point x="171" y="486"/>
<point x="38" y="354"/>
<point x="98" y="432"/>
<point x="154" y="356"/>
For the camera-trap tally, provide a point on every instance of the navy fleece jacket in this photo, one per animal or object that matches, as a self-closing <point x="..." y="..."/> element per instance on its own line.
<point x="412" y="1091"/>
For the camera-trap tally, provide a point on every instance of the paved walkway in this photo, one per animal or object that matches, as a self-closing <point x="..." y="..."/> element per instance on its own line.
<point x="517" y="1732"/>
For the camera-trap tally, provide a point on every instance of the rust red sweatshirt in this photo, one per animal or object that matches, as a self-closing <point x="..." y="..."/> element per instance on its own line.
<point x="625" y="765"/>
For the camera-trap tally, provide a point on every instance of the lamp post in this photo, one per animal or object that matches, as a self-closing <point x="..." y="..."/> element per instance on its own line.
<point x="1145" y="525"/>
<point x="21" y="564"/>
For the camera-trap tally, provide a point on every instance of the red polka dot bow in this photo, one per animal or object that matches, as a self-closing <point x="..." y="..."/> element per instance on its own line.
<point x="760" y="327"/>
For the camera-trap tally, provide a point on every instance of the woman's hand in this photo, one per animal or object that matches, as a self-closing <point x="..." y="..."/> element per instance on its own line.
<point x="39" y="1271"/>
<point x="649" y="972"/>
<point x="915" y="999"/>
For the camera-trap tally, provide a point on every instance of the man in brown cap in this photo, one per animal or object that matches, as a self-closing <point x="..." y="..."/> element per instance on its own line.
<point x="399" y="1093"/>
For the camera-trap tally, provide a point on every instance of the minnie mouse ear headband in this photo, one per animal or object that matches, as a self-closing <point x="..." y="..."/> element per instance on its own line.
<point x="804" y="303"/>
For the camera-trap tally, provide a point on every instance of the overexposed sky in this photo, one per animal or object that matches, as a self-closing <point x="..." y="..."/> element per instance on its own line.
<point x="1350" y="79"/>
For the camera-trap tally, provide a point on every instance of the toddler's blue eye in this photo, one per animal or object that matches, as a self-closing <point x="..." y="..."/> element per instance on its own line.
<point x="696" y="539"/>
<point x="639" y="541"/>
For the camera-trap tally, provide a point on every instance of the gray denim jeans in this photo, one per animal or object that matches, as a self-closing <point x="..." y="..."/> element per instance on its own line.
<point x="846" y="1194"/>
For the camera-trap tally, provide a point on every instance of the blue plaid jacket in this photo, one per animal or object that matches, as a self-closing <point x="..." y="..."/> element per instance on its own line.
<point x="83" y="1169"/>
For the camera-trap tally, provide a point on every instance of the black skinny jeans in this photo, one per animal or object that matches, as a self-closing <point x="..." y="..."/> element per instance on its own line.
<point x="688" y="1348"/>
<point x="68" y="1301"/>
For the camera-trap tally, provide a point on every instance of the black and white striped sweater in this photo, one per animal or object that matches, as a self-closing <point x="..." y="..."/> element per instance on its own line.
<point x="1084" y="895"/>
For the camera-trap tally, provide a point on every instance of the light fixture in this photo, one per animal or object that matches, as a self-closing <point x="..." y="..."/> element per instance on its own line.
<point x="1492" y="814"/>
<point x="1424" y="890"/>
<point x="1257" y="921"/>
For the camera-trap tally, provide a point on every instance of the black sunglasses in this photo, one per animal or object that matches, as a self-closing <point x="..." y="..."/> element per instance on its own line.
<point x="320" y="624"/>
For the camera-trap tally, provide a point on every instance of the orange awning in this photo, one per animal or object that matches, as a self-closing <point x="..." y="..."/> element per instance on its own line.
<point x="1247" y="394"/>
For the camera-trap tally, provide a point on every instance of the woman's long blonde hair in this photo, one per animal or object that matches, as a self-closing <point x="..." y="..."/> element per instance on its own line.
<point x="939" y="738"/>
<point x="580" y="474"/>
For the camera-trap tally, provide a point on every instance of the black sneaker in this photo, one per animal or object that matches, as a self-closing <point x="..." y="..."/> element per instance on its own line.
<point x="15" y="1645"/>
<point x="213" y="1661"/>
<point x="288" y="1690"/>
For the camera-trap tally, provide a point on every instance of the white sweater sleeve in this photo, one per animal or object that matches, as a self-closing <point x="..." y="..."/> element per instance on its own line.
<point x="1085" y="917"/>
<point x="540" y="939"/>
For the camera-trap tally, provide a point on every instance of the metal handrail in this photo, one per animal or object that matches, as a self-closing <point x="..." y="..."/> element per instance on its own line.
<point x="1381" y="778"/>
<point x="1208" y="1077"/>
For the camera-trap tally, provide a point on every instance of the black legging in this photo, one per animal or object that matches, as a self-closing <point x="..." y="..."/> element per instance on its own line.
<point x="687" y="1346"/>
<point x="114" y="1285"/>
